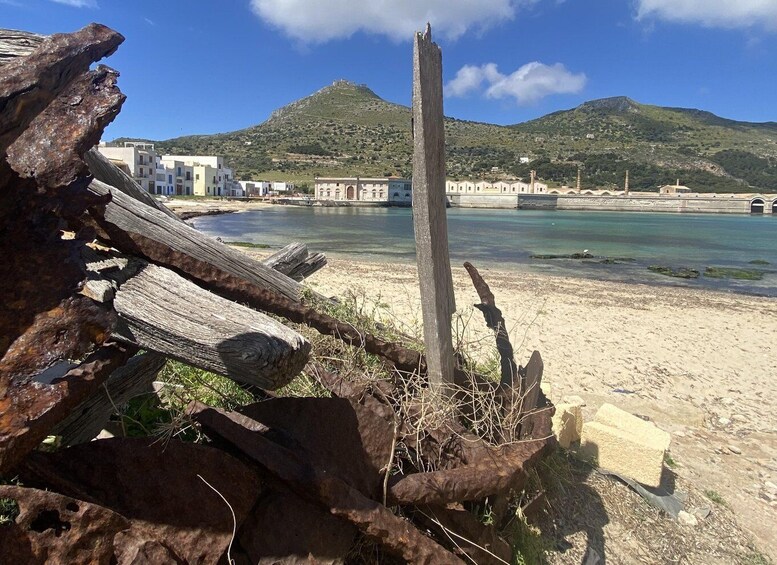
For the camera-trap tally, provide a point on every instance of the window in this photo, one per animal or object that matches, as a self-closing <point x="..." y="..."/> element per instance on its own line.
<point x="179" y="171"/>
<point x="214" y="179"/>
<point x="169" y="179"/>
<point x="197" y="176"/>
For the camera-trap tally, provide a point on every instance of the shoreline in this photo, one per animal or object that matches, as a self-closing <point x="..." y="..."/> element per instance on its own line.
<point x="697" y="362"/>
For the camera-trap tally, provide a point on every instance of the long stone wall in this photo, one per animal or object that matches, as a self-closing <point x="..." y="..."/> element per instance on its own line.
<point x="721" y="204"/>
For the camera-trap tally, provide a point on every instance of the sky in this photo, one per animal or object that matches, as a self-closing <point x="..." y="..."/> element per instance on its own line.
<point x="211" y="66"/>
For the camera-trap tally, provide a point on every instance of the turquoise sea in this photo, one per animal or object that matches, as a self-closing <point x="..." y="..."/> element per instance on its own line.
<point x="507" y="238"/>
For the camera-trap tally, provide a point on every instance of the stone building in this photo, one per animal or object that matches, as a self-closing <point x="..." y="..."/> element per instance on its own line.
<point x="364" y="189"/>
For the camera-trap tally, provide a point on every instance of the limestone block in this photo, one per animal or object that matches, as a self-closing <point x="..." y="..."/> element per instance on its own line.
<point x="625" y="444"/>
<point x="567" y="424"/>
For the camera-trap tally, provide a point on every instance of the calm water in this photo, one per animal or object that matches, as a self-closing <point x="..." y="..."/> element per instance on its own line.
<point x="507" y="238"/>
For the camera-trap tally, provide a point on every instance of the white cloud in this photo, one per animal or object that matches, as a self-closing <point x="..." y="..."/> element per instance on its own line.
<point x="323" y="20"/>
<point x="532" y="82"/>
<point x="78" y="3"/>
<point x="712" y="13"/>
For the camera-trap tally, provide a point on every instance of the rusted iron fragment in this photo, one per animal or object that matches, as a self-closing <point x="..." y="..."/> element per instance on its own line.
<point x="504" y="470"/>
<point x="52" y="147"/>
<point x="156" y="485"/>
<point x="66" y="331"/>
<point x="284" y="529"/>
<point x="52" y="528"/>
<point x="30" y="410"/>
<point x="30" y="83"/>
<point x="465" y="534"/>
<point x="496" y="322"/>
<point x="394" y="534"/>
<point x="341" y="437"/>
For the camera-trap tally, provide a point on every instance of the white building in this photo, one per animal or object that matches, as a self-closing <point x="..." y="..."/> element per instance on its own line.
<point x="280" y="186"/>
<point x="139" y="158"/>
<point x="387" y="189"/>
<point x="181" y="175"/>
<point x="206" y="181"/>
<point x="256" y="187"/>
<point x="496" y="187"/>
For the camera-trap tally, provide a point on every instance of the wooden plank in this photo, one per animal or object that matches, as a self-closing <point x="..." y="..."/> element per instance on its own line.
<point x="87" y="419"/>
<point x="138" y="228"/>
<point x="295" y="261"/>
<point x="15" y="43"/>
<point x="161" y="311"/>
<point x="103" y="170"/>
<point x="429" y="201"/>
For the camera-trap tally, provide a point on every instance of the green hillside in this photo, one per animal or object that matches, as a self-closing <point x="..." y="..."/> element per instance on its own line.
<point x="346" y="129"/>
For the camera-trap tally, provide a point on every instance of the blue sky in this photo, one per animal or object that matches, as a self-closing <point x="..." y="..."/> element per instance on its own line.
<point x="208" y="66"/>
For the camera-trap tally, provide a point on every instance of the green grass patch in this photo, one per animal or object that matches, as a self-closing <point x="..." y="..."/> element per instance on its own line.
<point x="248" y="244"/>
<point x="733" y="273"/>
<point x="715" y="497"/>
<point x="679" y="273"/>
<point x="669" y="461"/>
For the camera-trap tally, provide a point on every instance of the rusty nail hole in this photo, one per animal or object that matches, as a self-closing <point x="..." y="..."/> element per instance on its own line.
<point x="49" y="520"/>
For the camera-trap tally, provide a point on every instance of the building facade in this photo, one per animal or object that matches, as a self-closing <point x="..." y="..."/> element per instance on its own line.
<point x="497" y="187"/>
<point x="139" y="158"/>
<point x="367" y="189"/>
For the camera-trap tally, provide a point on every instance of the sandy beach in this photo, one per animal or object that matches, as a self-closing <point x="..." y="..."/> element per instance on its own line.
<point x="700" y="364"/>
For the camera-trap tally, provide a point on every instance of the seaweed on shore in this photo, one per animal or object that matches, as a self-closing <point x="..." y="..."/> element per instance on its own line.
<point x="247" y="244"/>
<point x="733" y="273"/>
<point x="563" y="256"/>
<point x="759" y="262"/>
<point x="681" y="273"/>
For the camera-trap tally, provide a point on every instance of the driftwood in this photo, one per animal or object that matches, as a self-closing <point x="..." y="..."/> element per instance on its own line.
<point x="138" y="228"/>
<point x="161" y="311"/>
<point x="15" y="43"/>
<point x="87" y="419"/>
<point x="429" y="223"/>
<point x="103" y="170"/>
<point x="295" y="261"/>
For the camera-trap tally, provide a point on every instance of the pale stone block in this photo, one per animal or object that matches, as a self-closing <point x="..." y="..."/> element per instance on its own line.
<point x="644" y="432"/>
<point x="633" y="452"/>
<point x="567" y="424"/>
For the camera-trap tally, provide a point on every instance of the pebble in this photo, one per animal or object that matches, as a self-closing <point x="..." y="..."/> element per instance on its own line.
<point x="687" y="519"/>
<point x="724" y="421"/>
<point x="727" y="401"/>
<point x="734" y="449"/>
<point x="680" y="434"/>
<point x="702" y="512"/>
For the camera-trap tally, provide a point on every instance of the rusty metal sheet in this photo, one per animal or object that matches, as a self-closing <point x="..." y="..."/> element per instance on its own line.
<point x="284" y="529"/>
<point x="52" y="528"/>
<point x="504" y="470"/>
<point x="156" y="485"/>
<point x="342" y="437"/>
<point x="29" y="411"/>
<point x="29" y="84"/>
<point x="397" y="536"/>
<point x="52" y="147"/>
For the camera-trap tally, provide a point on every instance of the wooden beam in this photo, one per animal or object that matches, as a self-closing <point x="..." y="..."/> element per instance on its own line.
<point x="429" y="201"/>
<point x="15" y="43"/>
<point x="138" y="228"/>
<point x="161" y="311"/>
<point x="295" y="261"/>
<point x="87" y="419"/>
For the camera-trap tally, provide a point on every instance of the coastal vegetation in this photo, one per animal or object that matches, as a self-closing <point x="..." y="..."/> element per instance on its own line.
<point x="679" y="273"/>
<point x="733" y="273"/>
<point x="347" y="129"/>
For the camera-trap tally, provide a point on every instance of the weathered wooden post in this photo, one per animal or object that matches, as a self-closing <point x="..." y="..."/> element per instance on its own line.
<point x="429" y="221"/>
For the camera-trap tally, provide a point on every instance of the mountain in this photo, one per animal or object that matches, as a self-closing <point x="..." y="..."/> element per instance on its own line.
<point x="347" y="129"/>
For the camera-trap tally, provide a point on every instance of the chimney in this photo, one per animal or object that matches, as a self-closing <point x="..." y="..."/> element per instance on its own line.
<point x="626" y="183"/>
<point x="678" y="182"/>
<point x="531" y="182"/>
<point x="579" y="180"/>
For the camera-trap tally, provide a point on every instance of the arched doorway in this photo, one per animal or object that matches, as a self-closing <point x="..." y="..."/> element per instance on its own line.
<point x="757" y="206"/>
<point x="350" y="193"/>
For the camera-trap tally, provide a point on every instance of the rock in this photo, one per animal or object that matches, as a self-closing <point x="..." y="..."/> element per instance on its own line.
<point x="687" y="519"/>
<point x="739" y="418"/>
<point x="621" y="442"/>
<point x="702" y="512"/>
<point x="727" y="401"/>
<point x="567" y="424"/>
<point x="574" y="400"/>
<point x="734" y="449"/>
<point x="724" y="421"/>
